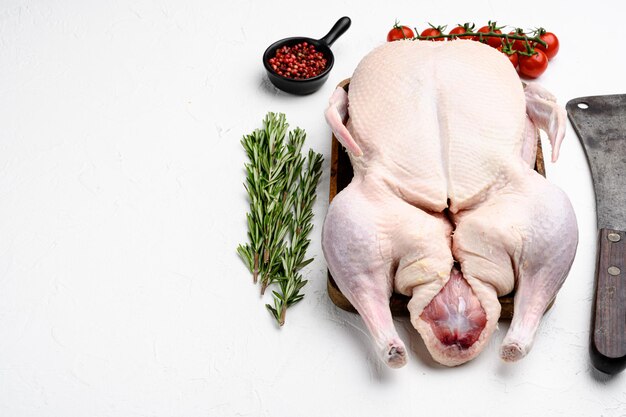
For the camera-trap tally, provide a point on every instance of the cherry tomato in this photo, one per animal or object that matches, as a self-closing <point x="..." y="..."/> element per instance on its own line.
<point x="432" y="32"/>
<point x="461" y="29"/>
<point x="399" y="32"/>
<point x="512" y="55"/>
<point x="534" y="65"/>
<point x="518" y="45"/>
<point x="492" y="41"/>
<point x="552" y="41"/>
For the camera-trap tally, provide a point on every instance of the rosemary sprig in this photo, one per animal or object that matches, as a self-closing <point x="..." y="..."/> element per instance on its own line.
<point x="282" y="192"/>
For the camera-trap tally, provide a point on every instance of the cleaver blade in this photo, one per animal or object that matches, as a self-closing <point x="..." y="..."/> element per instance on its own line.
<point x="600" y="123"/>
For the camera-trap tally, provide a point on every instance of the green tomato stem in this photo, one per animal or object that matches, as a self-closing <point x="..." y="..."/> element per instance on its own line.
<point x="482" y="35"/>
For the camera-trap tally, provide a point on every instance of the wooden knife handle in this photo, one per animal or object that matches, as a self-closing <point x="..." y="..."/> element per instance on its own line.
<point x="608" y="321"/>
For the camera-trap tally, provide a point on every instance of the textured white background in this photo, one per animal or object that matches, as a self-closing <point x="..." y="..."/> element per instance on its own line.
<point x="121" y="204"/>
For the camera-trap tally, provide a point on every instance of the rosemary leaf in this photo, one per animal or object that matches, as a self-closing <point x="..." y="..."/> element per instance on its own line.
<point x="304" y="263"/>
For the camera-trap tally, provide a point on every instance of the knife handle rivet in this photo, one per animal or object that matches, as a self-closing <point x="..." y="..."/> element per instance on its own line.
<point x="614" y="237"/>
<point x="613" y="270"/>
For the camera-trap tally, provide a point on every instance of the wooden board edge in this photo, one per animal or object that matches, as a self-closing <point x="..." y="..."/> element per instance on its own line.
<point x="540" y="166"/>
<point x="334" y="153"/>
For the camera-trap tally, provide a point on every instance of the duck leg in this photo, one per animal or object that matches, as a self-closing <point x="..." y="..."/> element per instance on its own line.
<point x="370" y="234"/>
<point x="521" y="237"/>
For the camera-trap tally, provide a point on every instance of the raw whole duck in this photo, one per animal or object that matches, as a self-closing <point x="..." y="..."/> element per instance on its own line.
<point x="444" y="206"/>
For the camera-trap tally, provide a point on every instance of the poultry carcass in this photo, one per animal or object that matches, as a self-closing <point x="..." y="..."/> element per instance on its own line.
<point x="443" y="206"/>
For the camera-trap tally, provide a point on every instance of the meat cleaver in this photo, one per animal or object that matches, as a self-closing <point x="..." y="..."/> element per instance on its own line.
<point x="600" y="123"/>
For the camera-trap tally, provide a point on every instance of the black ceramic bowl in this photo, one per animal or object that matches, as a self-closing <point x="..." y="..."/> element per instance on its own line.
<point x="309" y="85"/>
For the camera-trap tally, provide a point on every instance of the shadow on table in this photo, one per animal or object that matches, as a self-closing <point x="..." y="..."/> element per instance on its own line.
<point x="602" y="378"/>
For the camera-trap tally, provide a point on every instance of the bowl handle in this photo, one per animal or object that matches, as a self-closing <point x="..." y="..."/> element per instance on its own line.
<point x="337" y="30"/>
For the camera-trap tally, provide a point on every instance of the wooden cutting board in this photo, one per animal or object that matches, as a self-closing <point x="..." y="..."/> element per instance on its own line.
<point x="340" y="176"/>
